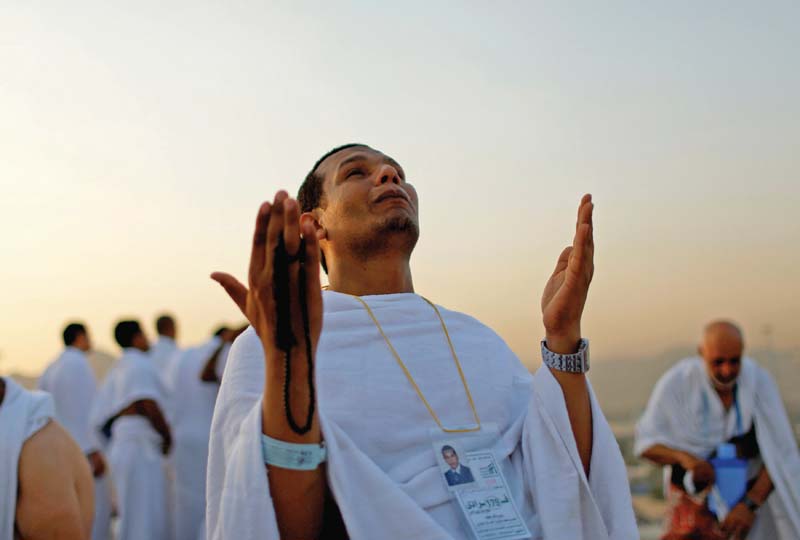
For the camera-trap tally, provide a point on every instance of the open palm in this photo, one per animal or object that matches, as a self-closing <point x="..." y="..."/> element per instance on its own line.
<point x="565" y="294"/>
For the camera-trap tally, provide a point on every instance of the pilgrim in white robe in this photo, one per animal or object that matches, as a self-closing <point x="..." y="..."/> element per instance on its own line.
<point x="686" y="413"/>
<point x="190" y="420"/>
<point x="71" y="382"/>
<point x="22" y="414"/>
<point x="381" y="466"/>
<point x="162" y="353"/>
<point x="134" y="452"/>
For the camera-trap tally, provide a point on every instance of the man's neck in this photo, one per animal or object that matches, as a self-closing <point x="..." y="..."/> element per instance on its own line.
<point x="726" y="396"/>
<point x="381" y="275"/>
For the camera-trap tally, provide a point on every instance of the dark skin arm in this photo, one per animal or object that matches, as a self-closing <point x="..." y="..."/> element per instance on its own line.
<point x="209" y="373"/>
<point x="150" y="410"/>
<point x="702" y="471"/>
<point x="562" y="307"/>
<point x="97" y="463"/>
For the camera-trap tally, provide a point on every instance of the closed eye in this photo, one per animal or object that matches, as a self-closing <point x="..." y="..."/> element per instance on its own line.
<point x="355" y="172"/>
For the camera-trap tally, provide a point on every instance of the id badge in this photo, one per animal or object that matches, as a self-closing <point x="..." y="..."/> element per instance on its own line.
<point x="471" y="473"/>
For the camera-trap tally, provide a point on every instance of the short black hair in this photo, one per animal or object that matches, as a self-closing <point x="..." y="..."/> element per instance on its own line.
<point x="311" y="191"/>
<point x="219" y="331"/>
<point x="72" y="331"/>
<point x="163" y="323"/>
<point x="448" y="448"/>
<point x="125" y="331"/>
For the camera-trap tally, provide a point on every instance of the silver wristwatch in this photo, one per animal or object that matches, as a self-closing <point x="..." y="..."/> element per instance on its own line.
<point x="572" y="363"/>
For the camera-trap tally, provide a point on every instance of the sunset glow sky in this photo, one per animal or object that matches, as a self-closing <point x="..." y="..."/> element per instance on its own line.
<point x="137" y="141"/>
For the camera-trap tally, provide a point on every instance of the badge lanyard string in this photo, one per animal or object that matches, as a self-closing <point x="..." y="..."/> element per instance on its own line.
<point x="706" y="412"/>
<point x="411" y="380"/>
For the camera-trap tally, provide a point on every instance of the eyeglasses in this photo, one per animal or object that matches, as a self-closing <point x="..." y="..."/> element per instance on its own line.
<point x="733" y="362"/>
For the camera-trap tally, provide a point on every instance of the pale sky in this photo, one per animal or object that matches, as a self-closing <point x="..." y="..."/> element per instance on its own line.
<point x="137" y="140"/>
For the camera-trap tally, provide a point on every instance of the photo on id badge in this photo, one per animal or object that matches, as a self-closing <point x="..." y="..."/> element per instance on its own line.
<point x="454" y="466"/>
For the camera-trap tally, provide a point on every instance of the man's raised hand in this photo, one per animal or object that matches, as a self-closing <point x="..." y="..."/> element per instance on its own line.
<point x="257" y="301"/>
<point x="566" y="291"/>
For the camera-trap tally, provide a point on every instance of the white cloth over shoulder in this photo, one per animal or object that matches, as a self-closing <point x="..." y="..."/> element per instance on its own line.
<point x="70" y="381"/>
<point x="376" y="429"/>
<point x="133" y="378"/>
<point x="685" y="413"/>
<point x="22" y="414"/>
<point x="190" y="420"/>
<point x="162" y="353"/>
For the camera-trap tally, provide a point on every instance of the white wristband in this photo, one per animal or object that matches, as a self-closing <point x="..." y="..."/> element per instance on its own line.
<point x="298" y="457"/>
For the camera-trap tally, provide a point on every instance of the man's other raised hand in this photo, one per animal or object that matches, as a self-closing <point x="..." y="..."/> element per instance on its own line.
<point x="565" y="293"/>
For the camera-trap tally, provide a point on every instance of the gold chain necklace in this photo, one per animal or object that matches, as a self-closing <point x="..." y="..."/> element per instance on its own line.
<point x="414" y="383"/>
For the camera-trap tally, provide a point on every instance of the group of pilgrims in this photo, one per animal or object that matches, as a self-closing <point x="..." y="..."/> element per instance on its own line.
<point x="395" y="419"/>
<point x="144" y="428"/>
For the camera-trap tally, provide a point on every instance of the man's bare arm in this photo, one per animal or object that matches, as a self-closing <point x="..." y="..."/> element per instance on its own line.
<point x="55" y="498"/>
<point x="664" y="455"/>
<point x="298" y="496"/>
<point x="702" y="471"/>
<point x="209" y="373"/>
<point x="762" y="487"/>
<point x="150" y="410"/>
<point x="562" y="307"/>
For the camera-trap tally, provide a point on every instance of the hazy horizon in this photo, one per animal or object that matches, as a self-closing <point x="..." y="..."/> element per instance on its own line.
<point x="138" y="141"/>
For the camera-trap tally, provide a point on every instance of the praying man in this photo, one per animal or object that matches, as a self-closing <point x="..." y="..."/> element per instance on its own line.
<point x="45" y="481"/>
<point x="70" y="381"/>
<point x="130" y="407"/>
<point x="332" y="402"/>
<point x="721" y="396"/>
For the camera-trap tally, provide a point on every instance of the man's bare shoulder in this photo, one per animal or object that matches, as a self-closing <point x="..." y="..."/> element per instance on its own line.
<point x="54" y="487"/>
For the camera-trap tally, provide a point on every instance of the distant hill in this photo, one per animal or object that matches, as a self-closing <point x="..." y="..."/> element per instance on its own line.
<point x="623" y="387"/>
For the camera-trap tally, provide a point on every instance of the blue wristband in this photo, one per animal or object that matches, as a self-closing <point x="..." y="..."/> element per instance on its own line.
<point x="298" y="457"/>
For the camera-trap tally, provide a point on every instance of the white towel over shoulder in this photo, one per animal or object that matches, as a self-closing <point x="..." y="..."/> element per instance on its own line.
<point x="381" y="466"/>
<point x="22" y="414"/>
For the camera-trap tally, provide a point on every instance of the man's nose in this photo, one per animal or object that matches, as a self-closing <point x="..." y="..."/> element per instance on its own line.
<point x="387" y="174"/>
<point x="727" y="370"/>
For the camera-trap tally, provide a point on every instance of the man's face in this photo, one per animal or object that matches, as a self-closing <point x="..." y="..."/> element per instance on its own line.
<point x="722" y="353"/>
<point x="82" y="342"/>
<point x="368" y="206"/>
<point x="450" y="458"/>
<point x="140" y="342"/>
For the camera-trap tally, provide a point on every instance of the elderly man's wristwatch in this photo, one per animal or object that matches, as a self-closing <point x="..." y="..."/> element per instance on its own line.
<point x="572" y="363"/>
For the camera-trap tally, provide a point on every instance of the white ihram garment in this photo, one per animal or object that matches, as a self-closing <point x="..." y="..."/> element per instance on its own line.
<point x="134" y="453"/>
<point x="381" y="466"/>
<point x="22" y="414"/>
<point x="162" y="353"/>
<point x="685" y="413"/>
<point x="190" y="420"/>
<point x="70" y="380"/>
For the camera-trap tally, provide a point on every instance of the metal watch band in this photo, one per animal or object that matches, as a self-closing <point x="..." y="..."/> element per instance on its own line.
<point x="299" y="457"/>
<point x="572" y="363"/>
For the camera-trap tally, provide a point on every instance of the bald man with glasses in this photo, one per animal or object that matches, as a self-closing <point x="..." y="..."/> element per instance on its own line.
<point x="714" y="398"/>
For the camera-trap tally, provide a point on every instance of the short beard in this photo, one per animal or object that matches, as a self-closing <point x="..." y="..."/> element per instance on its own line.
<point x="396" y="232"/>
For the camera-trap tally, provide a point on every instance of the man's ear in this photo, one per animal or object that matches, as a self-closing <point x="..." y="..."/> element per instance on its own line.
<point x="305" y="217"/>
<point x="700" y="351"/>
